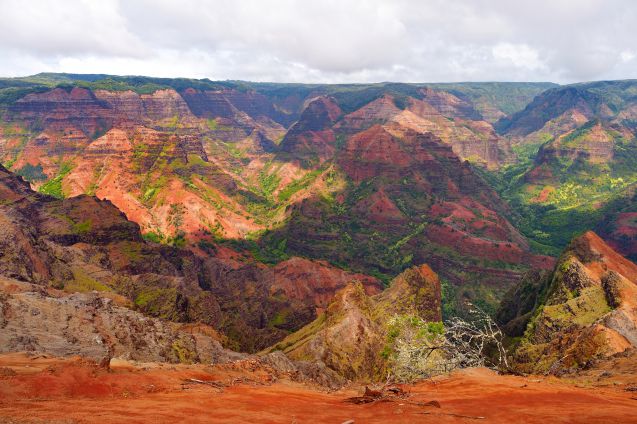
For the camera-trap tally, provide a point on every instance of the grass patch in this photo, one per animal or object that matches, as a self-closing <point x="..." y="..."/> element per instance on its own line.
<point x="53" y="187"/>
<point x="288" y="191"/>
<point x="83" y="227"/>
<point x="82" y="282"/>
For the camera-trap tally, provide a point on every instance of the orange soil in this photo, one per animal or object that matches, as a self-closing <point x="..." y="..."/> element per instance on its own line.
<point x="70" y="391"/>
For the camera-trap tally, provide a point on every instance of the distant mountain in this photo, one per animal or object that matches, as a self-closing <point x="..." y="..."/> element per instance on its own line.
<point x="611" y="101"/>
<point x="576" y="167"/>
<point x="243" y="170"/>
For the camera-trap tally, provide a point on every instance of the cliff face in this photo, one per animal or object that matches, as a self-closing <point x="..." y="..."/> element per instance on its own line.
<point x="411" y="192"/>
<point x="565" y="104"/>
<point x="311" y="140"/>
<point x="94" y="112"/>
<point x="97" y="326"/>
<point x="448" y="104"/>
<point x="583" y="312"/>
<point x="260" y="305"/>
<point x="591" y="145"/>
<point x="442" y="114"/>
<point x="349" y="337"/>
<point x="230" y="102"/>
<point x="315" y="282"/>
<point x="82" y="244"/>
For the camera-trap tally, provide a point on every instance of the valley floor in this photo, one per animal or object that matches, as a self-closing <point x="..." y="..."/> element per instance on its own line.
<point x="49" y="390"/>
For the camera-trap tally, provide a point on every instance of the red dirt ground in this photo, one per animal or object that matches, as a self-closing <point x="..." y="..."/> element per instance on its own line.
<point x="44" y="390"/>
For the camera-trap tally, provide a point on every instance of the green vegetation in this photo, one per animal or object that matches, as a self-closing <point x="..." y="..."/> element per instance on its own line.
<point x="212" y="124"/>
<point x="406" y="333"/>
<point x="288" y="191"/>
<point x="159" y="302"/>
<point x="83" y="227"/>
<point x="234" y="151"/>
<point x="299" y="337"/>
<point x="173" y="123"/>
<point x="509" y="97"/>
<point x="178" y="240"/>
<point x="183" y="353"/>
<point x="270" y="248"/>
<point x="154" y="236"/>
<point x="132" y="251"/>
<point x="268" y="181"/>
<point x="279" y="319"/>
<point x="573" y="195"/>
<point x="449" y="300"/>
<point x="82" y="282"/>
<point x="32" y="173"/>
<point x="53" y="187"/>
<point x="12" y="89"/>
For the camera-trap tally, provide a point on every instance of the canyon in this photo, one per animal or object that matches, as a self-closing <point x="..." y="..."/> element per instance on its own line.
<point x="165" y="239"/>
<point x="274" y="171"/>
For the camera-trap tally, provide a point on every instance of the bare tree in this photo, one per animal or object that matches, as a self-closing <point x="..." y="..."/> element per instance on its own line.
<point x="476" y="342"/>
<point x="421" y="349"/>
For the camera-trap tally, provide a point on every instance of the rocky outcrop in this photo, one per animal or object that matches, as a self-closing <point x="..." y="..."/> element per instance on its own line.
<point x="415" y="291"/>
<point x="261" y="305"/>
<point x="316" y="282"/>
<point x="350" y="335"/>
<point x="584" y="312"/>
<point x="311" y="140"/>
<point x="45" y="321"/>
<point x="100" y="327"/>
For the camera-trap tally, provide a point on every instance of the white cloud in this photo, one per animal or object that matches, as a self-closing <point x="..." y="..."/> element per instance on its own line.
<point x="626" y="56"/>
<point x="520" y="55"/>
<point x="323" y="40"/>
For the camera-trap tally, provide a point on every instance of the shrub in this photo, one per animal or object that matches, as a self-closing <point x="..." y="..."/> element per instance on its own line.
<point x="417" y="349"/>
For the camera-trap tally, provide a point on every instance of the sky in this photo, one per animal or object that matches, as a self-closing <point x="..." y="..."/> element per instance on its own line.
<point x="327" y="41"/>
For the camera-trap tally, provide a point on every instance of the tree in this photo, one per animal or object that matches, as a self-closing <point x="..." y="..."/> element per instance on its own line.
<point x="421" y="350"/>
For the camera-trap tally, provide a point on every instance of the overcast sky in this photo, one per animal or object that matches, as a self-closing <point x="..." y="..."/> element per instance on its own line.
<point x="324" y="40"/>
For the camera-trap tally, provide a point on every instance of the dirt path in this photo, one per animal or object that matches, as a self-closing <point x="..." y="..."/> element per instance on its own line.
<point x="72" y="391"/>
